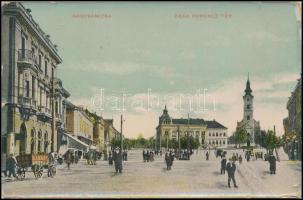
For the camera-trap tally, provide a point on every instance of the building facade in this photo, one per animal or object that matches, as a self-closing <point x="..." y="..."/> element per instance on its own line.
<point x="248" y="123"/>
<point x="293" y="123"/>
<point x="29" y="89"/>
<point x="209" y="133"/>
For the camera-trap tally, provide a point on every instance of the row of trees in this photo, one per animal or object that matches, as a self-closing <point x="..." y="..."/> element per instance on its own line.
<point x="265" y="139"/>
<point x="141" y="142"/>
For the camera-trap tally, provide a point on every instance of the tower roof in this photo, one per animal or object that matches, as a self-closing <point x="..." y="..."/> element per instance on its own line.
<point x="248" y="90"/>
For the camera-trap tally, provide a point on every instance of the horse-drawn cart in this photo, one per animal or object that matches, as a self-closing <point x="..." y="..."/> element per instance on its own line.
<point x="37" y="162"/>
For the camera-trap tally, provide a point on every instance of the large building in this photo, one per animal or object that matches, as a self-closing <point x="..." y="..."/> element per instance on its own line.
<point x="248" y="123"/>
<point x="293" y="123"/>
<point x="209" y="133"/>
<point x="32" y="97"/>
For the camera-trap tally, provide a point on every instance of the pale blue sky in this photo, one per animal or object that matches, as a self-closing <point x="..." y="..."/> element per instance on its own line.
<point x="144" y="46"/>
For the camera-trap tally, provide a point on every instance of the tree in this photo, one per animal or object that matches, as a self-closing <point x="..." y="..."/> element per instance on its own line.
<point x="240" y="136"/>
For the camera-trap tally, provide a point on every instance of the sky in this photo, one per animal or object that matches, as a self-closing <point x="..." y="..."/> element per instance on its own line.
<point x="133" y="58"/>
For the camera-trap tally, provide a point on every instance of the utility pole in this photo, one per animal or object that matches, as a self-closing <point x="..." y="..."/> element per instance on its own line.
<point x="54" y="138"/>
<point x="121" y="135"/>
<point x="179" y="146"/>
<point x="278" y="159"/>
<point x="188" y="135"/>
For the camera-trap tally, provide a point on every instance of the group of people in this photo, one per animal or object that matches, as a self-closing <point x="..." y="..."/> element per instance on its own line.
<point x="230" y="167"/>
<point x="148" y="156"/>
<point x="169" y="159"/>
<point x="91" y="157"/>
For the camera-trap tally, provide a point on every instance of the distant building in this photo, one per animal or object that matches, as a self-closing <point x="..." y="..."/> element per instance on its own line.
<point x="248" y="123"/>
<point x="209" y="133"/>
<point x="293" y="123"/>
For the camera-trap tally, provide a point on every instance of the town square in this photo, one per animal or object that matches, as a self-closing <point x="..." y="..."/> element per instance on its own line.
<point x="151" y="100"/>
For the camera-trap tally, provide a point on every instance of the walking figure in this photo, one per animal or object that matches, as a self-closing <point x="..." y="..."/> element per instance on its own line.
<point x="272" y="164"/>
<point x="118" y="160"/>
<point x="207" y="155"/>
<point x="231" y="168"/>
<point x="240" y="159"/>
<point x="110" y="158"/>
<point x="68" y="158"/>
<point x="11" y="165"/>
<point x="223" y="165"/>
<point x="168" y="161"/>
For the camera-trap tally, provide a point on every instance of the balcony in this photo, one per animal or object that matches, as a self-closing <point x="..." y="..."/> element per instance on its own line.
<point x="44" y="113"/>
<point x="27" y="102"/>
<point x="26" y="59"/>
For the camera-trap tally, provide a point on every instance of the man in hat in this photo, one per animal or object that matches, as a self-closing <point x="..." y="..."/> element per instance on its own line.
<point x="118" y="160"/>
<point x="223" y="165"/>
<point x="231" y="168"/>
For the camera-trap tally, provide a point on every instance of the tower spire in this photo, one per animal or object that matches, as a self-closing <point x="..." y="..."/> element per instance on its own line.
<point x="248" y="89"/>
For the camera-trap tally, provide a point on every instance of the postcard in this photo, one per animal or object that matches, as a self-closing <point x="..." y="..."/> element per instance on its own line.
<point x="151" y="99"/>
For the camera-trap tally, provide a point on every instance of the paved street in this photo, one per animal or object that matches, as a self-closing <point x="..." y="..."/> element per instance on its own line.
<point x="196" y="177"/>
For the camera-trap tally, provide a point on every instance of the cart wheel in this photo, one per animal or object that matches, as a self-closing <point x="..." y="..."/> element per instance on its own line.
<point x="38" y="171"/>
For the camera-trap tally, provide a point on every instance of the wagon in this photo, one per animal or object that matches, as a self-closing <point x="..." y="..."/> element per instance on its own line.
<point x="35" y="163"/>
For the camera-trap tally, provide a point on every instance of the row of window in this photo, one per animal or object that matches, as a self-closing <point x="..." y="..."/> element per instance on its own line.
<point x="217" y="134"/>
<point x="43" y="95"/>
<point x="217" y="142"/>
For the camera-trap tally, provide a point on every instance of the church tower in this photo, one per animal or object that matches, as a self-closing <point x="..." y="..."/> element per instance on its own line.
<point x="248" y="102"/>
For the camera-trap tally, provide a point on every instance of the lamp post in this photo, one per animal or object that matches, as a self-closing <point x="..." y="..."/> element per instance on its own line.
<point x="179" y="146"/>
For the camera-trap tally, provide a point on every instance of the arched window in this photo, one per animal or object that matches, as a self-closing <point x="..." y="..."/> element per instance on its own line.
<point x="217" y="134"/>
<point x="248" y="106"/>
<point x="45" y="142"/>
<point x="22" y="144"/>
<point x="216" y="141"/>
<point x="224" y="134"/>
<point x="223" y="141"/>
<point x="220" y="141"/>
<point x="33" y="141"/>
<point x="220" y="134"/>
<point x="209" y="134"/>
<point x="213" y="142"/>
<point x="39" y="141"/>
<point x="213" y="134"/>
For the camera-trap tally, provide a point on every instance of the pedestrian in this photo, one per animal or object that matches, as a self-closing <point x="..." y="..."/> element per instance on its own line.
<point x="240" y="159"/>
<point x="272" y="163"/>
<point x="171" y="157"/>
<point x="147" y="156"/>
<point x="223" y="165"/>
<point x="247" y="156"/>
<point x="167" y="160"/>
<point x="117" y="156"/>
<point x="207" y="155"/>
<point x="68" y="158"/>
<point x="110" y="159"/>
<point x="11" y="165"/>
<point x="51" y="162"/>
<point x="76" y="158"/>
<point x="3" y="164"/>
<point x="231" y="168"/>
<point x="126" y="155"/>
<point x="94" y="157"/>
<point x="144" y="156"/>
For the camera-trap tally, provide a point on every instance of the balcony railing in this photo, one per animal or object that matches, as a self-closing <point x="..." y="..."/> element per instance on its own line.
<point x="27" y="102"/>
<point x="26" y="55"/>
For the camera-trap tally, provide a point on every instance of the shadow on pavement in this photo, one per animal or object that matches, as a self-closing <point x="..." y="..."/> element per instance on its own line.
<point x="217" y="173"/>
<point x="221" y="185"/>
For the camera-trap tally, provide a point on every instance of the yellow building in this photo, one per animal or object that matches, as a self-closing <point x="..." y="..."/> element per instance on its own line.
<point x="29" y="64"/>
